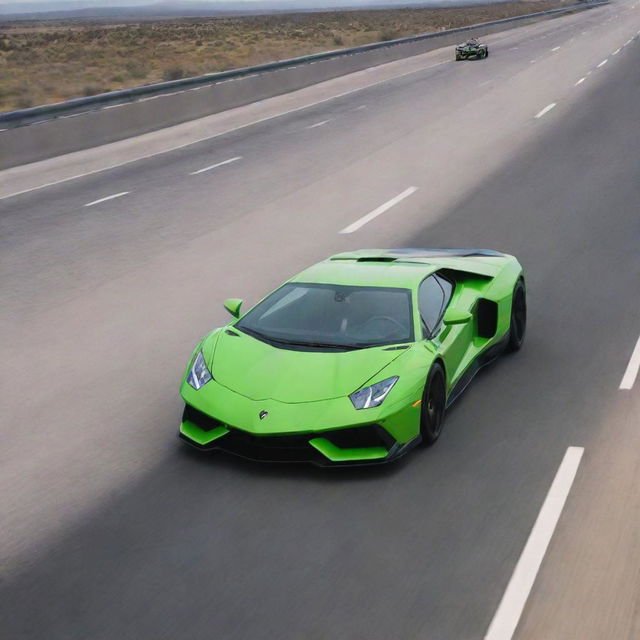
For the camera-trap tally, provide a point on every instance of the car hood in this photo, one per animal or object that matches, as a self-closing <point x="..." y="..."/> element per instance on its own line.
<point x="261" y="371"/>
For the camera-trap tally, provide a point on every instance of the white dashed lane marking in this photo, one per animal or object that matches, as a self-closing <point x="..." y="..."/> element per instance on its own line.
<point x="115" y="195"/>
<point x="515" y="597"/>
<point x="631" y="372"/>
<point x="215" y="166"/>
<point x="379" y="211"/>
<point x="318" y="124"/>
<point x="545" y="110"/>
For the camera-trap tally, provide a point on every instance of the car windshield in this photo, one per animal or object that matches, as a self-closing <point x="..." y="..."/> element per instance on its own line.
<point x="331" y="316"/>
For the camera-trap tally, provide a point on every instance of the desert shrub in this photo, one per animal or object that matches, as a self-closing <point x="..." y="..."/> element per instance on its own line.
<point x="136" y="69"/>
<point x="387" y="34"/>
<point x="94" y="89"/>
<point x="338" y="40"/>
<point x="173" y="73"/>
<point x="24" y="101"/>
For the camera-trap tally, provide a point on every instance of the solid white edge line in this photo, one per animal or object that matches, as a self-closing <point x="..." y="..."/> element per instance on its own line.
<point x="507" y="616"/>
<point x="215" y="166"/>
<point x="380" y="210"/>
<point x="579" y="82"/>
<point x="631" y="372"/>
<point x="545" y="110"/>
<point x="227" y="131"/>
<point x="115" y="195"/>
<point x="603" y="63"/>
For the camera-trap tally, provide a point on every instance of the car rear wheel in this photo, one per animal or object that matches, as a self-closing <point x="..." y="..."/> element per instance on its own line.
<point x="518" y="317"/>
<point x="434" y="399"/>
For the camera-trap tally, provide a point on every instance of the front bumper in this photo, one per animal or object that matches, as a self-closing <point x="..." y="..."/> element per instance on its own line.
<point x="365" y="445"/>
<point x="318" y="432"/>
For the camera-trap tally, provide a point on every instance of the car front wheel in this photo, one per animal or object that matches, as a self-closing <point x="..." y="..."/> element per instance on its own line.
<point x="434" y="399"/>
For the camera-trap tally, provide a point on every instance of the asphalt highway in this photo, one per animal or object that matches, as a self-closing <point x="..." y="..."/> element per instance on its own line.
<point x="112" y="529"/>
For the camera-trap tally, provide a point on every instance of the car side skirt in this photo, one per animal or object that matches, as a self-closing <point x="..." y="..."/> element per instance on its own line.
<point x="486" y="357"/>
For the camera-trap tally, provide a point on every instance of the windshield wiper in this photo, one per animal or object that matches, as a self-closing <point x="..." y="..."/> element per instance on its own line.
<point x="254" y="333"/>
<point x="314" y="345"/>
<point x="352" y="346"/>
<point x="387" y="345"/>
<point x="299" y="343"/>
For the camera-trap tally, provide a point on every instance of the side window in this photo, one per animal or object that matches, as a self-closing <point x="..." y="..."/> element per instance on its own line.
<point x="447" y="289"/>
<point x="433" y="296"/>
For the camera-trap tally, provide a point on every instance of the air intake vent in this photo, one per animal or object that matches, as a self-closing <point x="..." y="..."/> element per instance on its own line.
<point x="376" y="259"/>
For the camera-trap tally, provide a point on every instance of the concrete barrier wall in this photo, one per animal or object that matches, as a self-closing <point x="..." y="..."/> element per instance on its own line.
<point x="76" y="131"/>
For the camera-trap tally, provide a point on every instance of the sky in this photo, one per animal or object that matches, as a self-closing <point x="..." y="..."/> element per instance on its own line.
<point x="104" y="3"/>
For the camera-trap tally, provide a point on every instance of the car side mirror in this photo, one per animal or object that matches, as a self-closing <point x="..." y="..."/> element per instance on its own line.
<point x="232" y="305"/>
<point x="455" y="316"/>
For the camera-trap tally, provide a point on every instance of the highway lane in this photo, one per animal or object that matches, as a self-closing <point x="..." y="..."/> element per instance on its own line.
<point x="178" y="542"/>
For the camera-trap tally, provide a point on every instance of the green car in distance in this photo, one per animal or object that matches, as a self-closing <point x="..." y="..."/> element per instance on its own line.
<point x="354" y="360"/>
<point x="472" y="49"/>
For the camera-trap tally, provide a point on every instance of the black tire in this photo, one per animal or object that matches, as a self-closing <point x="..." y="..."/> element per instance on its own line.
<point x="434" y="399"/>
<point x="518" y="326"/>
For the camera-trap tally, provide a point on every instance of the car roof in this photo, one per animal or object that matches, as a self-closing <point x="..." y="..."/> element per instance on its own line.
<point x="366" y="273"/>
<point x="404" y="268"/>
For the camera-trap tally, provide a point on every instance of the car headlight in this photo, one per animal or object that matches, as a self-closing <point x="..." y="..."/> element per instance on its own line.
<point x="198" y="374"/>
<point x="374" y="395"/>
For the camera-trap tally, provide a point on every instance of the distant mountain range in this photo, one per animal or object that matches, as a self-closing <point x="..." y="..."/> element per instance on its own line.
<point x="88" y="9"/>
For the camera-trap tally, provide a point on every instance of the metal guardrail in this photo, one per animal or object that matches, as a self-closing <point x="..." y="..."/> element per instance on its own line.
<point x="10" y="119"/>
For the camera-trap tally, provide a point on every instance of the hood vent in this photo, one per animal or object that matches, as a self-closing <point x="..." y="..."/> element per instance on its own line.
<point x="376" y="259"/>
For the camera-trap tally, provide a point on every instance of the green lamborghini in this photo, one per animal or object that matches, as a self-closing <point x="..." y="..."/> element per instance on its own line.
<point x="354" y="360"/>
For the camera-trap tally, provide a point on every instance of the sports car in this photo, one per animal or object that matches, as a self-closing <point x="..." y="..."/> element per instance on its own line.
<point x="471" y="49"/>
<point x="354" y="360"/>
